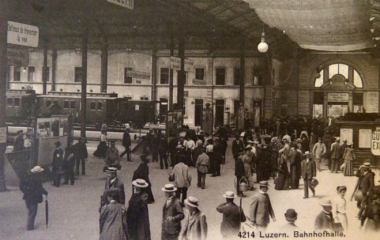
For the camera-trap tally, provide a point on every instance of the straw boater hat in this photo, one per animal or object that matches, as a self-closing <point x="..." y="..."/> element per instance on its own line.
<point x="248" y="147"/>
<point x="367" y="164"/>
<point x="112" y="170"/>
<point x="291" y="214"/>
<point x="264" y="184"/>
<point x="307" y="153"/>
<point x="274" y="139"/>
<point x="169" y="188"/>
<point x="192" y="201"/>
<point x="229" y="194"/>
<point x="325" y="203"/>
<point x="179" y="146"/>
<point x="249" y="141"/>
<point x="140" y="183"/>
<point x="37" y="169"/>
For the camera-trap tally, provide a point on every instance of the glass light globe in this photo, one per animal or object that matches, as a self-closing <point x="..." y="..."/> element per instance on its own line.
<point x="262" y="47"/>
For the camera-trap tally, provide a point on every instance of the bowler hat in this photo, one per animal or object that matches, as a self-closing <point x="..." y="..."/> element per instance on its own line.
<point x="291" y="214"/>
<point x="191" y="201"/>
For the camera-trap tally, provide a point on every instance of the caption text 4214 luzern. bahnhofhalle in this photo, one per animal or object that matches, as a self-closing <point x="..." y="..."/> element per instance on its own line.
<point x="296" y="234"/>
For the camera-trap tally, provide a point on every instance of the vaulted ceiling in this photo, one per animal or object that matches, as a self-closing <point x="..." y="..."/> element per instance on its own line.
<point x="156" y="24"/>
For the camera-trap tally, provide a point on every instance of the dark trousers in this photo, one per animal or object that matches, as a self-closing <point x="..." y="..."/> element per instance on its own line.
<point x="168" y="236"/>
<point x="163" y="159"/>
<point x="201" y="179"/>
<point x="335" y="163"/>
<point x="238" y="185"/>
<point x="78" y="162"/>
<point x="307" y="185"/>
<point x="216" y="169"/>
<point x="154" y="155"/>
<point x="128" y="152"/>
<point x="32" y="213"/>
<point x="69" y="174"/>
<point x="181" y="191"/>
<point x="57" y="178"/>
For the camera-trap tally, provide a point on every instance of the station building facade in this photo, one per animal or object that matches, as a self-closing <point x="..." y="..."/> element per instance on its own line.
<point x="313" y="84"/>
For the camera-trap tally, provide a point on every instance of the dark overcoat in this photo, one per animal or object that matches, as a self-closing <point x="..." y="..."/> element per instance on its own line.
<point x="173" y="209"/>
<point x="233" y="215"/>
<point x="138" y="217"/>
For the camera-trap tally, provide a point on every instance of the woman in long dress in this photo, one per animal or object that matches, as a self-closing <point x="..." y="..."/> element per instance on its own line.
<point x="339" y="207"/>
<point x="247" y="161"/>
<point x="280" y="183"/>
<point x="349" y="157"/>
<point x="102" y="147"/>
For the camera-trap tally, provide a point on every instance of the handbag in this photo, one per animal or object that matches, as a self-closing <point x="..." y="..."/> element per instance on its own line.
<point x="171" y="178"/>
<point x="358" y="195"/>
<point x="314" y="182"/>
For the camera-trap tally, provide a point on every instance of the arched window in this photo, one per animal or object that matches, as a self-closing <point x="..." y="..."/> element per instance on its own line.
<point x="342" y="69"/>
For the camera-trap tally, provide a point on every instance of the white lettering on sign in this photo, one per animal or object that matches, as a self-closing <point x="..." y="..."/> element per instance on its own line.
<point x="175" y="64"/>
<point x="22" y="34"/>
<point x="137" y="74"/>
<point x="337" y="97"/>
<point x="123" y="3"/>
<point x="375" y="143"/>
<point x="3" y="134"/>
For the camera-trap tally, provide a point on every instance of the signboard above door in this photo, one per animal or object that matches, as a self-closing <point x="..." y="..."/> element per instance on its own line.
<point x="337" y="97"/>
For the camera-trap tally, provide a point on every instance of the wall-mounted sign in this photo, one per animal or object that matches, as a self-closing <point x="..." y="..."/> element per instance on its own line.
<point x="3" y="134"/>
<point x="123" y="3"/>
<point x="175" y="64"/>
<point x="375" y="143"/>
<point x="346" y="134"/>
<point x="137" y="74"/>
<point x="372" y="102"/>
<point x="365" y="136"/>
<point x="22" y="34"/>
<point x="337" y="97"/>
<point x="17" y="57"/>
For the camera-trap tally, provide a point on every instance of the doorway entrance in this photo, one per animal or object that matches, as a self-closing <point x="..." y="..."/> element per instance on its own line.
<point x="219" y="113"/>
<point x="198" y="114"/>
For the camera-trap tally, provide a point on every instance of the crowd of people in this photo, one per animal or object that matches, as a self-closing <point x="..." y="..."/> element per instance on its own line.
<point x="257" y="157"/>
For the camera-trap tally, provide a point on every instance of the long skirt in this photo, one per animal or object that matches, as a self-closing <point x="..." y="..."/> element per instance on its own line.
<point x="348" y="168"/>
<point x="281" y="180"/>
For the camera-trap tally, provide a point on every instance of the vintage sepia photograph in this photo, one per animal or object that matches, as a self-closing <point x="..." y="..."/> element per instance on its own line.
<point x="189" y="119"/>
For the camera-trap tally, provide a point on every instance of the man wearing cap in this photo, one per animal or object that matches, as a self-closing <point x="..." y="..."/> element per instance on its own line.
<point x="365" y="182"/>
<point x="318" y="150"/>
<point x="19" y="142"/>
<point x="81" y="155"/>
<point x="113" y="156"/>
<point x="291" y="217"/>
<point x="233" y="215"/>
<point x="127" y="145"/>
<point x="32" y="189"/>
<point x="202" y="165"/>
<point x="335" y="155"/>
<point x="325" y="220"/>
<point x="57" y="164"/>
<point x="308" y="173"/>
<point x="261" y="208"/>
<point x="137" y="213"/>
<point x="172" y="214"/>
<point x="113" y="182"/>
<point x="237" y="146"/>
<point x="195" y="227"/>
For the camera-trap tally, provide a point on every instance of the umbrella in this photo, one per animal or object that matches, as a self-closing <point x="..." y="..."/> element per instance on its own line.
<point x="47" y="211"/>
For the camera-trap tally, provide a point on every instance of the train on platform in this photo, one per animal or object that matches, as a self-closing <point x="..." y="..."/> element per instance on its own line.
<point x="101" y="108"/>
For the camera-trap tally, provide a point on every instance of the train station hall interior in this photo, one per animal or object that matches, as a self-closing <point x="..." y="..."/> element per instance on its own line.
<point x="239" y="60"/>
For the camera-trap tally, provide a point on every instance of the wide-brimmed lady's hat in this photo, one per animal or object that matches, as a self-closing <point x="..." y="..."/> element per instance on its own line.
<point x="169" y="188"/>
<point x="141" y="183"/>
<point x="192" y="201"/>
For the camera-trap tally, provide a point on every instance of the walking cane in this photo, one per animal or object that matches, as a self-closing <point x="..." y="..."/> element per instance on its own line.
<point x="47" y="211"/>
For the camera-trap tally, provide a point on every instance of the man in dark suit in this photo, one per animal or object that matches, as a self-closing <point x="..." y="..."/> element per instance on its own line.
<point x="237" y="146"/>
<point x="57" y="164"/>
<point x="113" y="182"/>
<point x="127" y="145"/>
<point x="232" y="216"/>
<point x="335" y="155"/>
<point x="195" y="227"/>
<point x="261" y="208"/>
<point x="239" y="172"/>
<point x="325" y="220"/>
<point x="172" y="214"/>
<point x="32" y="189"/>
<point x="365" y="182"/>
<point x="19" y="142"/>
<point x="308" y="173"/>
<point x="137" y="212"/>
<point x="81" y="154"/>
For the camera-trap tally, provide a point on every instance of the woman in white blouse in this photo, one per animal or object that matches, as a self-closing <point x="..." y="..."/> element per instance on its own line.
<point x="339" y="206"/>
